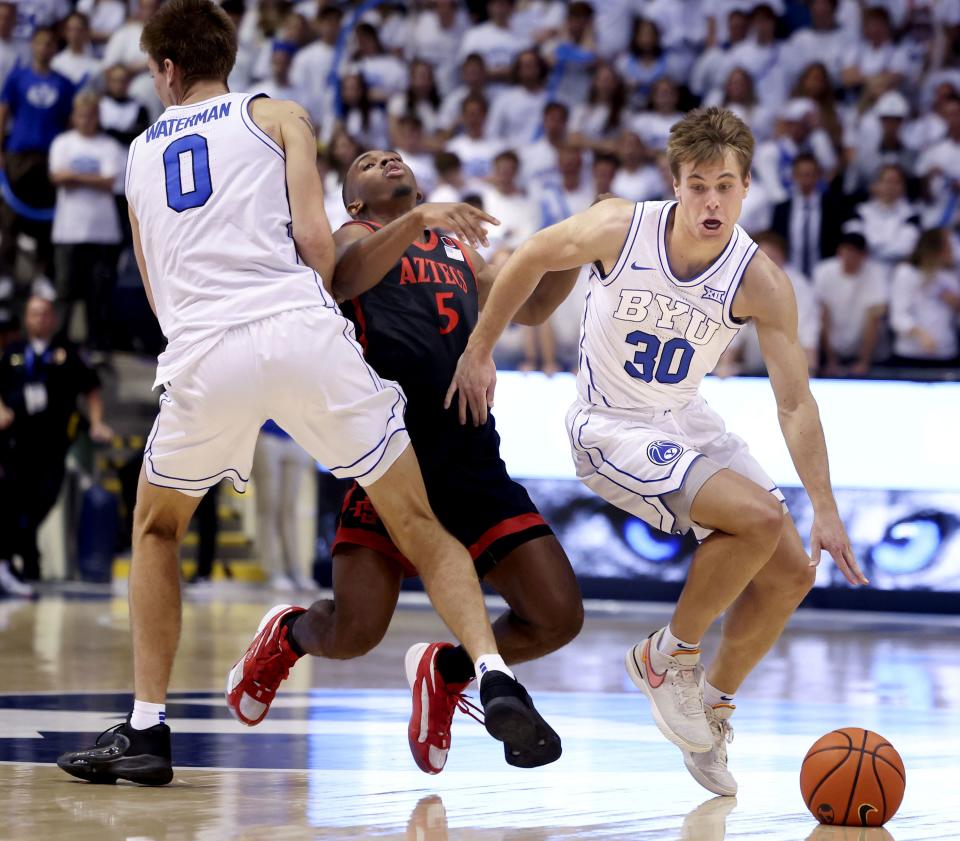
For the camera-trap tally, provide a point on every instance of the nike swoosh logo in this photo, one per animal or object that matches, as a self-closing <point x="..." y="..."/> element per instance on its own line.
<point x="864" y="812"/>
<point x="653" y="678"/>
<point x="639" y="268"/>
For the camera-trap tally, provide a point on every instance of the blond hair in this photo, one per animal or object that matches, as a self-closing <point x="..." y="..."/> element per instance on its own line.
<point x="705" y="135"/>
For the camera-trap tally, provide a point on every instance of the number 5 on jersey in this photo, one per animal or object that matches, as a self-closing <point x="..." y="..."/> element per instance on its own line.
<point x="450" y="314"/>
<point x="186" y="166"/>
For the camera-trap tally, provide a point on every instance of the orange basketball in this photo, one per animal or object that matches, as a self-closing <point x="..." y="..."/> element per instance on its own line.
<point x="852" y="777"/>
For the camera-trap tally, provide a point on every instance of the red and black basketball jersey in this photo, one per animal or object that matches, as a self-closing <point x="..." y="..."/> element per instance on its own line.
<point x="414" y="324"/>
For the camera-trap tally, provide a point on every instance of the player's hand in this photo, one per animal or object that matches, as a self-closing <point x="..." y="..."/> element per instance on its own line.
<point x="463" y="220"/>
<point x="6" y="416"/>
<point x="474" y="381"/>
<point x="829" y="534"/>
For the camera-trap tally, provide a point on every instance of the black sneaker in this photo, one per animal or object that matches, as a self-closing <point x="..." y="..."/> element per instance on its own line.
<point x="122" y="753"/>
<point x="510" y="717"/>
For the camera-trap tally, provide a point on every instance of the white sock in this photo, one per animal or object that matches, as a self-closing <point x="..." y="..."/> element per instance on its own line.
<point x="713" y="697"/>
<point x="667" y="645"/>
<point x="490" y="663"/>
<point x="146" y="715"/>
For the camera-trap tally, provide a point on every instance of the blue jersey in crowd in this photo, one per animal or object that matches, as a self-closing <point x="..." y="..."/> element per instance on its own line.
<point x="40" y="106"/>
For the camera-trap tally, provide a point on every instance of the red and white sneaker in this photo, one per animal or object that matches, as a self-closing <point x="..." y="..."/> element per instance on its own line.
<point x="254" y="680"/>
<point x="434" y="703"/>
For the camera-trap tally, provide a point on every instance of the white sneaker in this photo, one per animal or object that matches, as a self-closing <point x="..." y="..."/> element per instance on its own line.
<point x="304" y="583"/>
<point x="676" y="695"/>
<point x="10" y="585"/>
<point x="282" y="584"/>
<point x="710" y="768"/>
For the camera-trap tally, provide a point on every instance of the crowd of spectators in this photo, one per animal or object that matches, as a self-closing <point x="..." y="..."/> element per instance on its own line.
<point x="531" y="108"/>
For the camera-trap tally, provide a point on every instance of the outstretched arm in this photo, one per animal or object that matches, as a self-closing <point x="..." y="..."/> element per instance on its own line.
<point x="595" y="234"/>
<point x="767" y="296"/>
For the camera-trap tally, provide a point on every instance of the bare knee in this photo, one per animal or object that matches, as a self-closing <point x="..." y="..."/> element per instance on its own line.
<point x="354" y="639"/>
<point x="761" y="520"/>
<point x="554" y="625"/>
<point x="158" y="523"/>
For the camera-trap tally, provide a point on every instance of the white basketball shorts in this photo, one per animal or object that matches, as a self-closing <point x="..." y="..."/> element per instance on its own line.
<point x="300" y="368"/>
<point x="653" y="463"/>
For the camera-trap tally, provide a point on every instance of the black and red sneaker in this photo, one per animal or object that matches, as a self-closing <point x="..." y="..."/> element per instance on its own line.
<point x="253" y="682"/>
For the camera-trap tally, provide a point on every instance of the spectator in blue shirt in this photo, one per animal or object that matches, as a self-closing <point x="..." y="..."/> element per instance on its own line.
<point x="39" y="101"/>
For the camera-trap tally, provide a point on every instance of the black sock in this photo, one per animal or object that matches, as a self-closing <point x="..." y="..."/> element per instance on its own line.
<point x="288" y="623"/>
<point x="454" y="665"/>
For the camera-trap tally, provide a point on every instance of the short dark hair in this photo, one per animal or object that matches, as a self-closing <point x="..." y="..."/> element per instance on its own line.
<point x="772" y="238"/>
<point x="446" y="162"/>
<point x="508" y="155"/>
<point x="805" y="158"/>
<point x="474" y="98"/>
<point x="196" y="35"/>
<point x="556" y="106"/>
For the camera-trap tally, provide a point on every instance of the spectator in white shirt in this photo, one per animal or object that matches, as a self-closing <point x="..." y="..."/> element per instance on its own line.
<point x="538" y="21"/>
<point x="105" y="18"/>
<point x="877" y="64"/>
<point x="84" y="164"/>
<point x="409" y="142"/>
<point x="473" y="74"/>
<point x="435" y="38"/>
<point x="814" y="85"/>
<point x="452" y="186"/>
<point x="124" y="45"/>
<point x="505" y="200"/>
<point x="77" y="61"/>
<point x="495" y="41"/>
<point x="654" y="125"/>
<point x="744" y="356"/>
<point x="825" y="39"/>
<point x="714" y="63"/>
<point x="889" y="223"/>
<point x="924" y="303"/>
<point x="11" y="50"/>
<point x="342" y="150"/>
<point x="538" y="161"/>
<point x="361" y="118"/>
<point x="764" y="57"/>
<point x="852" y="292"/>
<point x="879" y="139"/>
<point x="740" y="96"/>
<point x="598" y="123"/>
<point x="572" y="193"/>
<point x="646" y="61"/>
<point x="313" y="65"/>
<point x="796" y="132"/>
<point x="637" y="179"/>
<point x="421" y="100"/>
<point x="940" y="164"/>
<point x="474" y="148"/>
<point x="121" y="117"/>
<point x="279" y="86"/>
<point x="516" y="113"/>
<point x="384" y="73"/>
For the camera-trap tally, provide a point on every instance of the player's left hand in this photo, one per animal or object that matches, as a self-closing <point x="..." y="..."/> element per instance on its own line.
<point x="100" y="433"/>
<point x="475" y="380"/>
<point x="829" y="534"/>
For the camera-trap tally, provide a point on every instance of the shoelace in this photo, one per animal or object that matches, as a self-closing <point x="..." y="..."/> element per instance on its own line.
<point x="459" y="701"/>
<point x="686" y="684"/>
<point x="113" y="729"/>
<point x="722" y="733"/>
<point x="272" y="670"/>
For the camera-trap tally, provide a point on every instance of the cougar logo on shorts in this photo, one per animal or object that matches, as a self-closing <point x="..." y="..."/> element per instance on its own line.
<point x="663" y="452"/>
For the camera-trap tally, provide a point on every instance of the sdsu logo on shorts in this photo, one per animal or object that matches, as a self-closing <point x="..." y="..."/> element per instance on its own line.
<point x="664" y="452"/>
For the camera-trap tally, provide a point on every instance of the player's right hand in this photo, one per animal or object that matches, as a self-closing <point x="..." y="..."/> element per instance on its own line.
<point x="463" y="220"/>
<point x="474" y="381"/>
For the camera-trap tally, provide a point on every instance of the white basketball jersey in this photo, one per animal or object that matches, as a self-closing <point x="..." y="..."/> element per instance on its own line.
<point x="648" y="338"/>
<point x="209" y="192"/>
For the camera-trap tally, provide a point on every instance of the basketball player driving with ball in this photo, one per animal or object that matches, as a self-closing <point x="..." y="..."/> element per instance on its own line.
<point x="671" y="284"/>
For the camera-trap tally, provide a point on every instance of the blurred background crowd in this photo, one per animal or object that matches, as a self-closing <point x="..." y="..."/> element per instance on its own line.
<point x="528" y="108"/>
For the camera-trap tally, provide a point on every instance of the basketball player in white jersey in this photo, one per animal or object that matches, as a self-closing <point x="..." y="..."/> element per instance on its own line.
<point x="671" y="284"/>
<point x="237" y="259"/>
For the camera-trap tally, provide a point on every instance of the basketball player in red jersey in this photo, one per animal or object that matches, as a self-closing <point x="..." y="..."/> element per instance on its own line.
<point x="414" y="294"/>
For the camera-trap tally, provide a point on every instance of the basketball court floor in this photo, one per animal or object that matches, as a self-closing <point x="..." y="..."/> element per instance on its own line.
<point x="331" y="760"/>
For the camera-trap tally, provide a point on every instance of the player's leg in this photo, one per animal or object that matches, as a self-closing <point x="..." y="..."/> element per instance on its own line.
<point x="754" y="622"/>
<point x="366" y="586"/>
<point x="747" y="522"/>
<point x="541" y="590"/>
